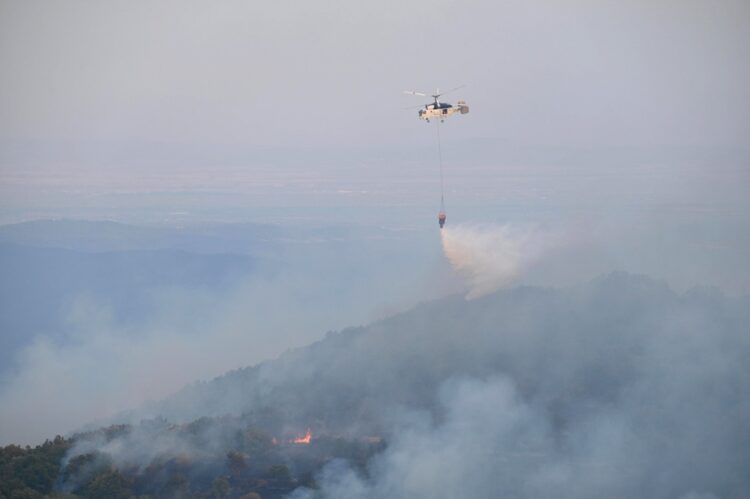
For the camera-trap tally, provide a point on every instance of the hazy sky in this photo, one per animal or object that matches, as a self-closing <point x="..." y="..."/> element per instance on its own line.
<point x="129" y="97"/>
<point x="580" y="72"/>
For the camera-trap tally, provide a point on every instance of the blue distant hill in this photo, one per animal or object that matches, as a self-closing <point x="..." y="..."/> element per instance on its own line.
<point x="38" y="285"/>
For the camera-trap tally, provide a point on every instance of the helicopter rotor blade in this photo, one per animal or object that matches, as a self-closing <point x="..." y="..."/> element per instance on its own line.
<point x="411" y="92"/>
<point x="438" y="94"/>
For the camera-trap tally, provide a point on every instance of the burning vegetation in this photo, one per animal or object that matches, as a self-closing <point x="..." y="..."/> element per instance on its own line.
<point x="305" y="439"/>
<point x="210" y="457"/>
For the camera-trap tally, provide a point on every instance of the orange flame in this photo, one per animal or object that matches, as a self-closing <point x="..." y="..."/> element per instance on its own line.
<point x="305" y="439"/>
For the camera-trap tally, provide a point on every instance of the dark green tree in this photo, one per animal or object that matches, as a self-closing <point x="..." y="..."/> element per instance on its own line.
<point x="108" y="485"/>
<point x="220" y="488"/>
<point x="237" y="463"/>
<point x="279" y="473"/>
<point x="25" y="493"/>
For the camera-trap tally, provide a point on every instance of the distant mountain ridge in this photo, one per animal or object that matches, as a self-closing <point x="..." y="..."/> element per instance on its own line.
<point x="39" y="284"/>
<point x="104" y="235"/>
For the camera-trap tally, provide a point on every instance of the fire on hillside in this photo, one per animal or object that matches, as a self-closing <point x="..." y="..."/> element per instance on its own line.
<point x="303" y="440"/>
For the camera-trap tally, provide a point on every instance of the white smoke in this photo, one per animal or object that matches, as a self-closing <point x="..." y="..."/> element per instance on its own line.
<point x="491" y="257"/>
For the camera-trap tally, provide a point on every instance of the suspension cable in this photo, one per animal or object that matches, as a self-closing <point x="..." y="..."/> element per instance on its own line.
<point x="440" y="162"/>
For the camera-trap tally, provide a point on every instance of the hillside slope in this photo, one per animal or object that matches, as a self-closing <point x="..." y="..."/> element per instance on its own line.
<point x="616" y="388"/>
<point x="621" y="376"/>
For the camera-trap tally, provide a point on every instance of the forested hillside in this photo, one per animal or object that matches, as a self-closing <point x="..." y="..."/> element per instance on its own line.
<point x="607" y="388"/>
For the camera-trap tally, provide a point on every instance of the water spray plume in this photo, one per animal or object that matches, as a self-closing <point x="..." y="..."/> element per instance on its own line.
<point x="488" y="257"/>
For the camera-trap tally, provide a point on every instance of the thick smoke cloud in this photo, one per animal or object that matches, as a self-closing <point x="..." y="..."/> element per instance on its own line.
<point x="619" y="387"/>
<point x="493" y="444"/>
<point x="450" y="458"/>
<point x="107" y="367"/>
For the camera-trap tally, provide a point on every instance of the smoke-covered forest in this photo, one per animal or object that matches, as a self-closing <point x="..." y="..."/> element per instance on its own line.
<point x="619" y="387"/>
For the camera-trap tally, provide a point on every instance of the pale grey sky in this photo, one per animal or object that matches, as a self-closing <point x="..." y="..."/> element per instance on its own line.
<point x="118" y="98"/>
<point x="575" y="73"/>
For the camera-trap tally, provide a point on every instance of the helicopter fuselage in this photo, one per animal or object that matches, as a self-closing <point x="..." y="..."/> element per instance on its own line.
<point x="441" y="110"/>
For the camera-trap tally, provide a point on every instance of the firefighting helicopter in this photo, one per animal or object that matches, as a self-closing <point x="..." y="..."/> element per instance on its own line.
<point x="439" y="110"/>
